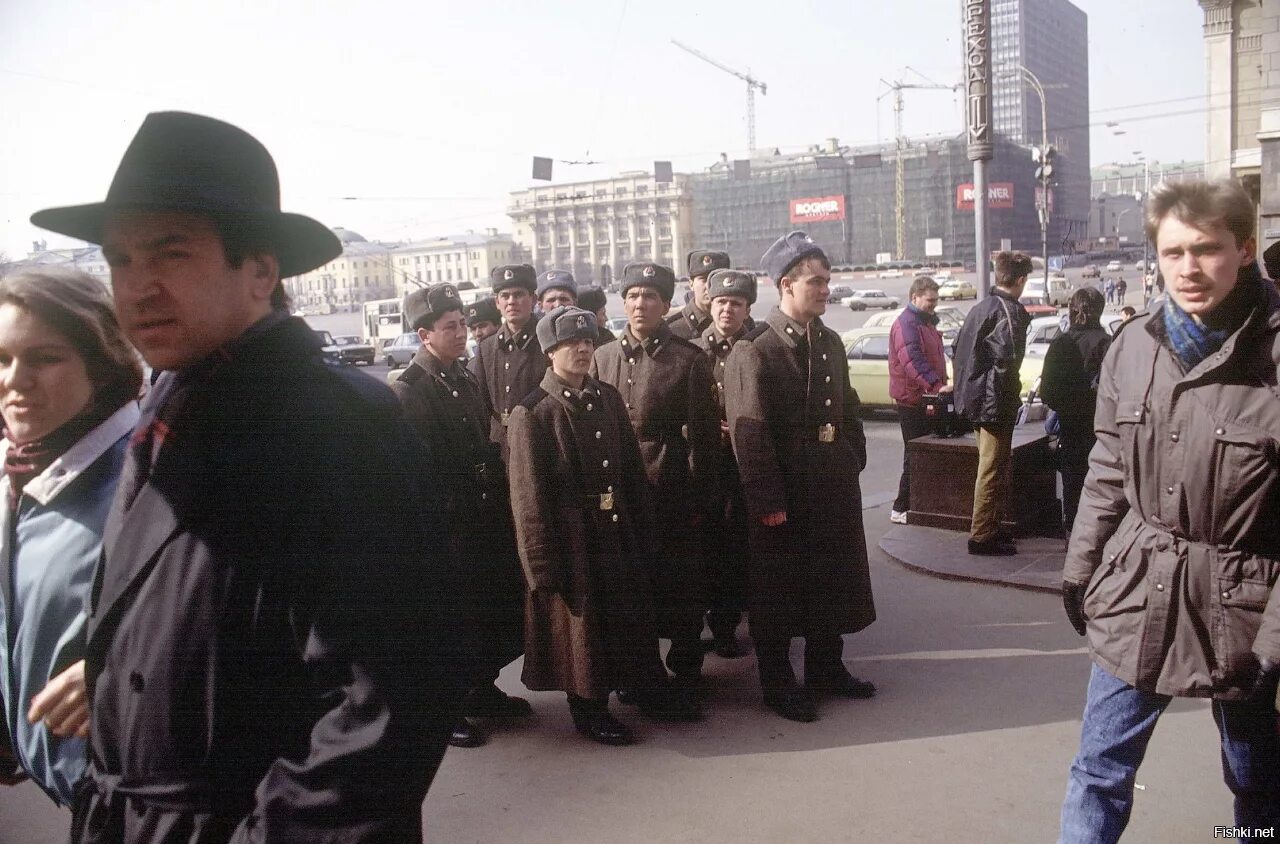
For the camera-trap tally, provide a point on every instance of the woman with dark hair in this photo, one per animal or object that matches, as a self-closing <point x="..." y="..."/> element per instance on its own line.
<point x="69" y="383"/>
<point x="1069" y="385"/>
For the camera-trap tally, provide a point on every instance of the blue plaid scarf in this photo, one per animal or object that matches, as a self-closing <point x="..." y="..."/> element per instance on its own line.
<point x="1191" y="341"/>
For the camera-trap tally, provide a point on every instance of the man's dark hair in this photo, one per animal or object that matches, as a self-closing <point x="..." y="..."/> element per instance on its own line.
<point x="1085" y="308"/>
<point x="241" y="240"/>
<point x="1011" y="266"/>
<point x="1129" y="312"/>
<point x="428" y="322"/>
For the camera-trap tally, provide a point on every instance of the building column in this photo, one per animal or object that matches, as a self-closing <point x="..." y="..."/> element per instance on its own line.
<point x="653" y="236"/>
<point x="533" y="241"/>
<point x="613" y="246"/>
<point x="573" y="243"/>
<point x="1219" y="72"/>
<point x="593" y="254"/>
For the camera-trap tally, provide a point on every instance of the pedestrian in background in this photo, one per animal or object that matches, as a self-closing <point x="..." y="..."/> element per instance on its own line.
<point x="917" y="367"/>
<point x="593" y="299"/>
<point x="275" y="645"/>
<point x="794" y="423"/>
<point x="483" y="319"/>
<point x="1109" y="286"/>
<point x="556" y="288"/>
<point x="1122" y="287"/>
<point x="442" y="402"/>
<point x="988" y="353"/>
<point x="1172" y="566"/>
<point x="69" y="383"/>
<point x="587" y="534"/>
<point x="1069" y="386"/>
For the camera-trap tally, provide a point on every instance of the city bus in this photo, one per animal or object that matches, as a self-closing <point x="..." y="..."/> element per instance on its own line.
<point x="382" y="321"/>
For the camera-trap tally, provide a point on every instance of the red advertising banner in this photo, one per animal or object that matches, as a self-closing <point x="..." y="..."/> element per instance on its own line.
<point x="999" y="195"/>
<point x="817" y="209"/>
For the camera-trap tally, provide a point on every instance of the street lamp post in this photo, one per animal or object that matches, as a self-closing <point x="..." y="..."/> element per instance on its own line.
<point x="1042" y="206"/>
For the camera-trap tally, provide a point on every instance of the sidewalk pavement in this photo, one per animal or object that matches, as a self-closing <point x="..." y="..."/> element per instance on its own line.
<point x="943" y="553"/>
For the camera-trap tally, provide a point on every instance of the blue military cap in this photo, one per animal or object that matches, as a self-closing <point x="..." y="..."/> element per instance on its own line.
<point x="485" y="310"/>
<point x="732" y="283"/>
<point x="513" y="275"/>
<point x="591" y="299"/>
<point x="552" y="279"/>
<point x="786" y="252"/>
<point x="563" y="324"/>
<point x="703" y="263"/>
<point x="649" y="274"/>
<point x="424" y="306"/>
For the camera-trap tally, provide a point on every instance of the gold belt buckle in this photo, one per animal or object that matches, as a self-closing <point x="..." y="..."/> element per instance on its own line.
<point x="505" y="415"/>
<point x="606" y="501"/>
<point x="827" y="433"/>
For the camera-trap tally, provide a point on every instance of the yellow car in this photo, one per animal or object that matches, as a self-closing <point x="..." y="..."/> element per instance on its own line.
<point x="868" y="352"/>
<point x="957" y="289"/>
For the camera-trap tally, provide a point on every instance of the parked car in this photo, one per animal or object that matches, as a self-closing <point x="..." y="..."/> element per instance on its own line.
<point x="1092" y="271"/>
<point x="863" y="299"/>
<point x="950" y="319"/>
<point x="868" y="352"/>
<point x="1040" y="333"/>
<point x="957" y="289"/>
<point x="1058" y="294"/>
<point x="895" y="273"/>
<point x="1037" y="307"/>
<point x="401" y="350"/>
<point x="352" y="349"/>
<point x="838" y="294"/>
<point x="942" y="274"/>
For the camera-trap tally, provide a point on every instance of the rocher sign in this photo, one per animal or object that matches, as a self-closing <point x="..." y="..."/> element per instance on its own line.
<point x="817" y="209"/>
<point x="999" y="195"/>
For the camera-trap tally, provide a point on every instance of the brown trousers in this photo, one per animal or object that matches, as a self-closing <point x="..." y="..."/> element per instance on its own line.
<point x="991" y="489"/>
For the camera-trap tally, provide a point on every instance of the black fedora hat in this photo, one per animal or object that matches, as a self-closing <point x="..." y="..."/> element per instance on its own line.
<point x="198" y="165"/>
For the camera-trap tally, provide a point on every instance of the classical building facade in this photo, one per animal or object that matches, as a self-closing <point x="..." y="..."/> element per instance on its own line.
<point x="1242" y="72"/>
<point x="362" y="273"/>
<point x="457" y="258"/>
<point x="593" y="229"/>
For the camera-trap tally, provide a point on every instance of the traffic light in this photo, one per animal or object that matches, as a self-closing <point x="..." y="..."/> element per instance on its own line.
<point x="1044" y="172"/>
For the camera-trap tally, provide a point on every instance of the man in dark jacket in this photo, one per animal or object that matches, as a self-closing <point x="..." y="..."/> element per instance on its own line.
<point x="794" y="422"/>
<point x="917" y="367"/>
<point x="665" y="383"/>
<point x="593" y="299"/>
<point x="988" y="353"/>
<point x="509" y="363"/>
<point x="691" y="320"/>
<point x="483" y="319"/>
<point x="1173" y="565"/>
<point x="1069" y="386"/>
<point x="271" y="634"/>
<point x="732" y="295"/>
<point x="442" y="402"/>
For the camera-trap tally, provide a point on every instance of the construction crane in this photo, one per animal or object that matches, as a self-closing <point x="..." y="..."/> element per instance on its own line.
<point x="752" y="85"/>
<point x="900" y="189"/>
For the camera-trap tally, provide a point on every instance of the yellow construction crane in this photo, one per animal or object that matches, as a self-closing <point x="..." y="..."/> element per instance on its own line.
<point x="900" y="189"/>
<point x="752" y="85"/>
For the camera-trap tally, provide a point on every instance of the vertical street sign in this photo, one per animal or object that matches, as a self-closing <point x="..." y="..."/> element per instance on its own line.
<point x="977" y="65"/>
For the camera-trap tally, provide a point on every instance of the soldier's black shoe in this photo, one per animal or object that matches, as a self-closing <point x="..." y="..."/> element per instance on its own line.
<point x="467" y="734"/>
<point x="602" y="727"/>
<point x="794" y="704"/>
<point x="842" y="684"/>
<point x="492" y="702"/>
<point x="725" y="644"/>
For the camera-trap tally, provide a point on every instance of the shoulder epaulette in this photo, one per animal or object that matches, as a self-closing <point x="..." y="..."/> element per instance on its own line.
<point x="531" y="401"/>
<point x="412" y="374"/>
<point x="761" y="328"/>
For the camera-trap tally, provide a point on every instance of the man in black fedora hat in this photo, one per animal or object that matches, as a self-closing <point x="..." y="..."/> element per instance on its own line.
<point x="259" y="664"/>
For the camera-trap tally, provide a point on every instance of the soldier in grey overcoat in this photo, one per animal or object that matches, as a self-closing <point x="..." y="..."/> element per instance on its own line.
<point x="800" y="447"/>
<point x="666" y="387"/>
<point x="586" y="533"/>
<point x="690" y="321"/>
<point x="508" y="364"/>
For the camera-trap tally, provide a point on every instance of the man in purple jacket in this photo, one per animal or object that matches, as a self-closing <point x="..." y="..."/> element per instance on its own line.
<point x="916" y="367"/>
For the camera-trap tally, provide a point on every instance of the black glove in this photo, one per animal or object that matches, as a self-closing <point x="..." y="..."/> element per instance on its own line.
<point x="1263" y="688"/>
<point x="1073" y="603"/>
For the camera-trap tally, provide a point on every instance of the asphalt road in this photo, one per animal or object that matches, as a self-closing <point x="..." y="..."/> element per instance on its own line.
<point x="969" y="740"/>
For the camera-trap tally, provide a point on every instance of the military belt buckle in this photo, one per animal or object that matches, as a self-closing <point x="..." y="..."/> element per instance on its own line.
<point x="505" y="416"/>
<point x="827" y="433"/>
<point x="606" y="501"/>
<point x="482" y="471"/>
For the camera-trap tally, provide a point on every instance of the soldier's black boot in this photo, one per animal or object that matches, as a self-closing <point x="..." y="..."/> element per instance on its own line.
<point x="592" y="719"/>
<point x="467" y="734"/>
<point x="724" y="634"/>
<point x="489" y="701"/>
<point x="685" y="661"/>
<point x="825" y="673"/>
<point x="782" y="693"/>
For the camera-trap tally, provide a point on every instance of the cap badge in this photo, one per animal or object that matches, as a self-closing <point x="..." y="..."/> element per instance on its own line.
<point x="649" y="272"/>
<point x="582" y="320"/>
<point x="550" y="276"/>
<point x="449" y="293"/>
<point x="727" y="281"/>
<point x="508" y="275"/>
<point x="707" y="260"/>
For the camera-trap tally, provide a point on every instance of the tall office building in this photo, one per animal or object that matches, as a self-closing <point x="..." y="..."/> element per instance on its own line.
<point x="1050" y="38"/>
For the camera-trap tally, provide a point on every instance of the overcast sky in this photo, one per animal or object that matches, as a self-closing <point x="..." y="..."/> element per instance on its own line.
<point x="428" y="112"/>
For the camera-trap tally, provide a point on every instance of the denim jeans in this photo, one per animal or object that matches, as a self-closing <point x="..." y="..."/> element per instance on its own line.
<point x="1118" y="723"/>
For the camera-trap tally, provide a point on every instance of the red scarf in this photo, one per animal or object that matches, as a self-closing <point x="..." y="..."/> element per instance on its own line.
<point x="23" y="461"/>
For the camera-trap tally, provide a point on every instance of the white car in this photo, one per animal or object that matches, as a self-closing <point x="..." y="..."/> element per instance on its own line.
<point x="1058" y="295"/>
<point x="891" y="274"/>
<point x="863" y="299"/>
<point x="957" y="289"/>
<point x="1044" y="330"/>
<point x="1113" y="267"/>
